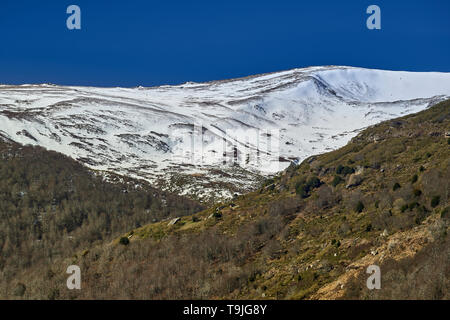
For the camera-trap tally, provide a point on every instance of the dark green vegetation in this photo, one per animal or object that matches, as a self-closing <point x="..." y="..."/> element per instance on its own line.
<point x="305" y="186"/>
<point x="51" y="206"/>
<point x="309" y="233"/>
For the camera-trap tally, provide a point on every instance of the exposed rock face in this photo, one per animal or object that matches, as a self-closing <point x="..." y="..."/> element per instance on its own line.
<point x="354" y="180"/>
<point x="173" y="221"/>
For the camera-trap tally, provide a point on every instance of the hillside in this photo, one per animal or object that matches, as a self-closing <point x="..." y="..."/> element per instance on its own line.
<point x="51" y="205"/>
<point x="308" y="233"/>
<point x="211" y="140"/>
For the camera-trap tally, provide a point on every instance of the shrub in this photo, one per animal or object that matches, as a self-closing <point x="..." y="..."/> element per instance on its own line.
<point x="314" y="182"/>
<point x="413" y="205"/>
<point x="303" y="189"/>
<point x="417" y="193"/>
<point x="336" y="243"/>
<point x="369" y="227"/>
<point x="404" y="207"/>
<point x="124" y="241"/>
<point x="445" y="212"/>
<point x="396" y="186"/>
<point x="348" y="170"/>
<point x="359" y="207"/>
<point x="421" y="169"/>
<point x="344" y="170"/>
<point x="418" y="219"/>
<point x="414" y="178"/>
<point x="435" y="201"/>
<point x="53" y="294"/>
<point x="336" y="181"/>
<point x="19" y="290"/>
<point x="300" y="189"/>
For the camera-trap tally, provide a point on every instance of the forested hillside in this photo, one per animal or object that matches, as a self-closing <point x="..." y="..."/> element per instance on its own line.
<point x="50" y="206"/>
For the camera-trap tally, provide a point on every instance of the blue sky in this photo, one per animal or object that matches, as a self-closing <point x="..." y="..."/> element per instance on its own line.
<point x="137" y="42"/>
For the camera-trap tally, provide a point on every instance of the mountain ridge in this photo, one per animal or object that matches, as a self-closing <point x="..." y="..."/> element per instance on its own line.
<point x="211" y="140"/>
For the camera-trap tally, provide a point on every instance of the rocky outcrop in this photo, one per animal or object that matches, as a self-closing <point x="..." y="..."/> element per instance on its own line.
<point x="354" y="180"/>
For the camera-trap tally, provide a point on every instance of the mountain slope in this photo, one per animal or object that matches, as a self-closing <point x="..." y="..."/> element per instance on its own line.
<point x="308" y="233"/>
<point x="51" y="205"/>
<point x="210" y="140"/>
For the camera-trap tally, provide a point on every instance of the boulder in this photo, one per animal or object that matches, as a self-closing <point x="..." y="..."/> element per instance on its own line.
<point x="173" y="221"/>
<point x="354" y="180"/>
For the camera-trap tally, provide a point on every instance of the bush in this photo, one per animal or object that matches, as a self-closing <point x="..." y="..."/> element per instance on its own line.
<point x="124" y="241"/>
<point x="359" y="207"/>
<point x="417" y="193"/>
<point x="336" y="181"/>
<point x="344" y="170"/>
<point x="53" y="294"/>
<point x="435" y="201"/>
<point x="396" y="186"/>
<point x="303" y="189"/>
<point x="336" y="243"/>
<point x="413" y="205"/>
<point x="314" y="182"/>
<point x="19" y="290"/>
<point x="414" y="178"/>
<point x="445" y="212"/>
<point x="300" y="189"/>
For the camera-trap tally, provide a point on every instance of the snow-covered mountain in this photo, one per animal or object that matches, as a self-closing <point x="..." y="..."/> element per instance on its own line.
<point x="213" y="139"/>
